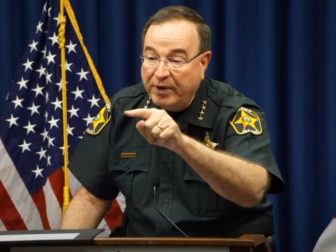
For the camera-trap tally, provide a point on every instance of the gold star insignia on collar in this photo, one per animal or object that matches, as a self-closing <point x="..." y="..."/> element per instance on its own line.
<point x="99" y="122"/>
<point x="208" y="142"/>
<point x="246" y="121"/>
<point x="201" y="113"/>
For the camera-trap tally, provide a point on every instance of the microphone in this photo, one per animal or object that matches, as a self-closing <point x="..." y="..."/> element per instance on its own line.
<point x="155" y="187"/>
<point x="156" y="153"/>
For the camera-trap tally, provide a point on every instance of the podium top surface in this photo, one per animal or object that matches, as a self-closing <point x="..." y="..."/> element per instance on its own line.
<point x="250" y="240"/>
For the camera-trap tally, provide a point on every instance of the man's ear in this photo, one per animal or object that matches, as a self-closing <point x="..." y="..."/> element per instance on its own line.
<point x="205" y="60"/>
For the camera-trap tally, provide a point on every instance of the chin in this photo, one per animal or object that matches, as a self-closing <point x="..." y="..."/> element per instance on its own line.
<point x="164" y="104"/>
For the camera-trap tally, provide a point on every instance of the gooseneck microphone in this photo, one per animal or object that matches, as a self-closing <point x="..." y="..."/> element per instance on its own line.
<point x="155" y="187"/>
<point x="155" y="178"/>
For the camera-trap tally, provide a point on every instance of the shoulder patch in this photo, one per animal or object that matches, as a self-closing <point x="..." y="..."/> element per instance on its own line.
<point x="246" y="121"/>
<point x="99" y="122"/>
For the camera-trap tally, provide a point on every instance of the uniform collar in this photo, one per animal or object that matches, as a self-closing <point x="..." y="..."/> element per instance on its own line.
<point x="202" y="110"/>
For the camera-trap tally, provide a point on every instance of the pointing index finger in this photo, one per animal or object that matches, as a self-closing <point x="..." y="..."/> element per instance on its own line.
<point x="140" y="113"/>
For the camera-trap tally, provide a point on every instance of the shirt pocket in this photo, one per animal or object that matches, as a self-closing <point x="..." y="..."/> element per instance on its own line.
<point x="129" y="169"/>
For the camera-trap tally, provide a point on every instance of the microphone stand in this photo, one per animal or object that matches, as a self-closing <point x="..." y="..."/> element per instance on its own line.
<point x="165" y="216"/>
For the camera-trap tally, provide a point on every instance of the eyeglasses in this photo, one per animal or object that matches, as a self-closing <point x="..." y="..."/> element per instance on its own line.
<point x="174" y="62"/>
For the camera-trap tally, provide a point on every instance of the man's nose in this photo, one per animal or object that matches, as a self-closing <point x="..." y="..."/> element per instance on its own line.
<point x="162" y="70"/>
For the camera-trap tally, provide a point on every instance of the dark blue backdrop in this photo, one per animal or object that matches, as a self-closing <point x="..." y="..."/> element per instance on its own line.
<point x="281" y="53"/>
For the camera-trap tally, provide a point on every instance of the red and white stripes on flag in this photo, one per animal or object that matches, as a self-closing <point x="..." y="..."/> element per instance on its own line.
<point x="31" y="131"/>
<point x="19" y="211"/>
<point x="327" y="240"/>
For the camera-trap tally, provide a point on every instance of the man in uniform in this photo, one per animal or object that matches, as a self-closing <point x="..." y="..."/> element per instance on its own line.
<point x="191" y="155"/>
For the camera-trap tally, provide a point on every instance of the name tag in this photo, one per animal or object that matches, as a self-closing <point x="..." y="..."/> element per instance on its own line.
<point x="128" y="155"/>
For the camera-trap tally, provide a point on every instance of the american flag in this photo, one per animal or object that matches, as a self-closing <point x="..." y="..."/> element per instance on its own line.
<point x="31" y="131"/>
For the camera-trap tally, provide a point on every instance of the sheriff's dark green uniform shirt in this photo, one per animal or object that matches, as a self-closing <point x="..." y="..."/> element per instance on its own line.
<point x="118" y="158"/>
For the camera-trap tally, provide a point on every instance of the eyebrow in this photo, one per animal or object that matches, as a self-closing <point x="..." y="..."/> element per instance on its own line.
<point x="174" y="51"/>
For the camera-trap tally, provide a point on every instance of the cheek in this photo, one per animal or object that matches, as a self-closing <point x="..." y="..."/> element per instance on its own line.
<point x="143" y="73"/>
<point x="146" y="73"/>
<point x="145" y="76"/>
<point x="190" y="84"/>
<point x="192" y="89"/>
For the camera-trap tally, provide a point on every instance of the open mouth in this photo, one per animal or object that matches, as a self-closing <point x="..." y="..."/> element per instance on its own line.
<point x="162" y="90"/>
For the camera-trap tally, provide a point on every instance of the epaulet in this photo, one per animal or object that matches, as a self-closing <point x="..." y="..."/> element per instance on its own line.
<point x="129" y="92"/>
<point x="246" y="118"/>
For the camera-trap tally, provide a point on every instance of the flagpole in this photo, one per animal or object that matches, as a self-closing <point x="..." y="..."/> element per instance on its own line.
<point x="61" y="35"/>
<point x="73" y="21"/>
<point x="66" y="6"/>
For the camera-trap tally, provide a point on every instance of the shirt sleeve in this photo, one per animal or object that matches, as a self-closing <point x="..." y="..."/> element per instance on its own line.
<point x="254" y="144"/>
<point x="89" y="164"/>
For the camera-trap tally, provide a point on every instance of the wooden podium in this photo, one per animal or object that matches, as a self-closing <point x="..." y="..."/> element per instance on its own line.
<point x="245" y="243"/>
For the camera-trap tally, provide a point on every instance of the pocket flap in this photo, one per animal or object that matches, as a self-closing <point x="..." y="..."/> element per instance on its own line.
<point x="191" y="175"/>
